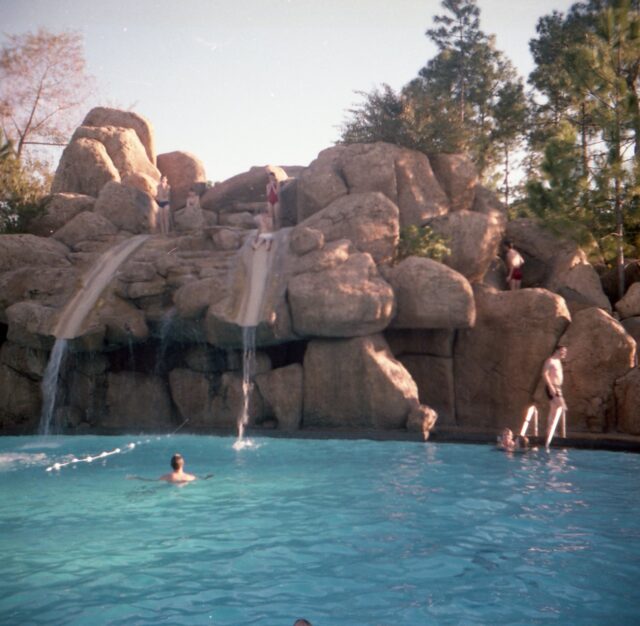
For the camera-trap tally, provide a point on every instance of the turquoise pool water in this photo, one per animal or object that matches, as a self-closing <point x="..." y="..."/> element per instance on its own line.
<point x="339" y="532"/>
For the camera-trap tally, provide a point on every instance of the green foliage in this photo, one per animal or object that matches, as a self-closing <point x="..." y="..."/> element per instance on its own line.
<point x="421" y="241"/>
<point x="466" y="99"/>
<point x="21" y="191"/>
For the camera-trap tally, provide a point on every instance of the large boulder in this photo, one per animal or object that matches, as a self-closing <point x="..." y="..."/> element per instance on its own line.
<point x="609" y="279"/>
<point x="17" y="251"/>
<point x="403" y="176"/>
<point x="430" y="295"/>
<point x="629" y="305"/>
<point x="104" y="116"/>
<point x="632" y="326"/>
<point x="137" y="401"/>
<point x="183" y="170"/>
<point x="127" y="208"/>
<point x="247" y="187"/>
<point x="59" y="208"/>
<point x="627" y="395"/>
<point x="281" y="390"/>
<point x="84" y="226"/>
<point x="356" y="383"/>
<point x="20" y="402"/>
<point x="85" y="168"/>
<point x="458" y="177"/>
<point x="31" y="325"/>
<point x="192" y="394"/>
<point x="123" y="147"/>
<point x="434" y="377"/>
<point x="26" y="361"/>
<point x="49" y="286"/>
<point x="473" y="239"/>
<point x="369" y="220"/>
<point x="497" y="363"/>
<point x="599" y="353"/>
<point x="556" y="264"/>
<point x="348" y="301"/>
<point x="193" y="299"/>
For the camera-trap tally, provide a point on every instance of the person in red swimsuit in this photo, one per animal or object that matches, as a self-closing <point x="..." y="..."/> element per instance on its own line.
<point x="273" y="198"/>
<point x="514" y="265"/>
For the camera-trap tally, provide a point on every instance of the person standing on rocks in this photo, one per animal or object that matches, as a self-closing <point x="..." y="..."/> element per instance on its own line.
<point x="514" y="265"/>
<point x="163" y="195"/>
<point x="553" y="376"/>
<point x="273" y="198"/>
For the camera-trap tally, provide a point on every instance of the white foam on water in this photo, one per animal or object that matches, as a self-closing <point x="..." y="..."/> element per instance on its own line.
<point x="20" y="460"/>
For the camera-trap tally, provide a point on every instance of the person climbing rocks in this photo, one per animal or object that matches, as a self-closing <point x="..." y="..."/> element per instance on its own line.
<point x="163" y="195"/>
<point x="514" y="262"/>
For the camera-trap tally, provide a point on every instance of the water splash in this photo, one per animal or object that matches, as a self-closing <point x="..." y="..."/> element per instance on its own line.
<point x="50" y="386"/>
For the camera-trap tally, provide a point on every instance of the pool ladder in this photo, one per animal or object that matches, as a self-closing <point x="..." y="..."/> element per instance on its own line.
<point x="532" y="413"/>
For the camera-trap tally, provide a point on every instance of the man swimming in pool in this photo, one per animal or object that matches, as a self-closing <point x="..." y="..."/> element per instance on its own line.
<point x="178" y="475"/>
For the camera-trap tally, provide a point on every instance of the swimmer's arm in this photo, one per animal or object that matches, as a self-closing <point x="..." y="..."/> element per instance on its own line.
<point x="148" y="480"/>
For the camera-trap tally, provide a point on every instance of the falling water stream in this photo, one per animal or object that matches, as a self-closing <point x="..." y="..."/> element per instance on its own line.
<point x="74" y="313"/>
<point x="258" y="263"/>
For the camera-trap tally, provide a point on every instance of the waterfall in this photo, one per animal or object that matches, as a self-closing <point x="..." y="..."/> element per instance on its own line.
<point x="74" y="313"/>
<point x="258" y="263"/>
<point x="50" y="386"/>
<point x="165" y="328"/>
<point x="248" y="372"/>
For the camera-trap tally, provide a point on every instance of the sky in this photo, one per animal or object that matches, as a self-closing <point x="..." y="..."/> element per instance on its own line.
<point x="250" y="82"/>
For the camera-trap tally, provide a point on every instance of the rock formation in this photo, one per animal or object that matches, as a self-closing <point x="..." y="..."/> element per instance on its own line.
<point x="349" y="336"/>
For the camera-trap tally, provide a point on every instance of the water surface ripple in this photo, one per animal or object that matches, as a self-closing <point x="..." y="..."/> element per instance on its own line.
<point x="340" y="532"/>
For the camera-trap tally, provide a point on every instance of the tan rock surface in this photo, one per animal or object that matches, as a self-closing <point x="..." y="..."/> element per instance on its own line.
<point x="369" y="220"/>
<point x="183" y="170"/>
<point x="281" y="390"/>
<point x="458" y="178"/>
<point x="59" y="208"/>
<point x="599" y="353"/>
<point x="84" y="168"/>
<point x="127" y="208"/>
<point x="84" y="226"/>
<point x="348" y="301"/>
<point x="629" y="306"/>
<point x="123" y="147"/>
<point x="137" y="401"/>
<point x="497" y="364"/>
<point x="473" y="239"/>
<point x="430" y="295"/>
<point x="356" y="383"/>
<point x="627" y="395"/>
<point x="104" y="116"/>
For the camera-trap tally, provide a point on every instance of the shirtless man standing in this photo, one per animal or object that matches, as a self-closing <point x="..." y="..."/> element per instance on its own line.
<point x="553" y="378"/>
<point x="178" y="475"/>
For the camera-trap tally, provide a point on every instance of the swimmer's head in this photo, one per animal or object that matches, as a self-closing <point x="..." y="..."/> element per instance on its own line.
<point x="177" y="462"/>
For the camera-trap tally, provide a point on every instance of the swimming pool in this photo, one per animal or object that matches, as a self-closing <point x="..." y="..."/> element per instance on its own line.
<point x="341" y="532"/>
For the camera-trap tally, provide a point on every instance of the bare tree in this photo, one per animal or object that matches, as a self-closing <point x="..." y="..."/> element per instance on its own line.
<point x="43" y="83"/>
